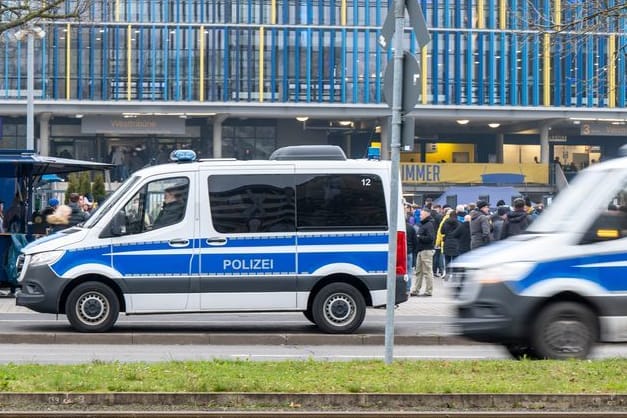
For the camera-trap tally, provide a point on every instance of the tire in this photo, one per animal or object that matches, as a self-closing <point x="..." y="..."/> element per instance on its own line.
<point x="309" y="316"/>
<point x="520" y="351"/>
<point x="92" y="307"/>
<point x="338" y="308"/>
<point x="564" y="330"/>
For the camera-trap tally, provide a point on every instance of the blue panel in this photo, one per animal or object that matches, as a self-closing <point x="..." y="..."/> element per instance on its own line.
<point x="166" y="62"/>
<point x="435" y="70"/>
<point x="602" y="89"/>
<point x="503" y="66"/>
<point x="568" y="75"/>
<point x="525" y="71"/>
<point x="6" y="63"/>
<point x="44" y="68"/>
<point x="480" y="70"/>
<point x="308" y="66"/>
<point x="355" y="55"/>
<point x="177" y="61"/>
<point x="469" y="53"/>
<point x="457" y="85"/>
<point x="190" y="63"/>
<point x="55" y="62"/>
<point x="286" y="65"/>
<point x="366" y="38"/>
<point x="620" y="71"/>
<point x="343" y="68"/>
<point x="513" y="70"/>
<point x="321" y="53"/>
<point x="590" y="71"/>
<point x="557" y="74"/>
<point x="250" y="63"/>
<point x="447" y="55"/>
<point x="273" y="48"/>
<point x="297" y="66"/>
<point x="153" y="60"/>
<point x="105" y="63"/>
<point x="92" y="63"/>
<point x="79" y="63"/>
<point x="116" y="72"/>
<point x="579" y="76"/>
<point x="536" y="70"/>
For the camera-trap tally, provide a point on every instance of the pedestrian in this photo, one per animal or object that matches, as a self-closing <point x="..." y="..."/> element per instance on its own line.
<point x="77" y="214"/>
<point x="498" y="220"/>
<point x="59" y="219"/>
<point x="424" y="262"/>
<point x="1" y="216"/>
<point x="412" y="248"/>
<point x="480" y="225"/>
<point x="517" y="220"/>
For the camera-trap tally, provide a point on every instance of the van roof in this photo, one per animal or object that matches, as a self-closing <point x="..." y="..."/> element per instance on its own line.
<point x="612" y="164"/>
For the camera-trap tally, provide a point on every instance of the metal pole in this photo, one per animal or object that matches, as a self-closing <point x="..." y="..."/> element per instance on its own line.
<point x="30" y="87"/>
<point x="395" y="145"/>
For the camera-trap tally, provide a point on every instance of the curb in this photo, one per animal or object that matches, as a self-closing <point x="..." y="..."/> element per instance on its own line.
<point x="228" y="339"/>
<point x="535" y="402"/>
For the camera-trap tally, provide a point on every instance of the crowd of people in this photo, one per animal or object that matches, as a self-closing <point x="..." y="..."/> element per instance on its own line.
<point x="436" y="234"/>
<point x="58" y="217"/>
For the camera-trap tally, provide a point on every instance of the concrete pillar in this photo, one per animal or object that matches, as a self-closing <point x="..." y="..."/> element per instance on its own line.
<point x="44" y="134"/>
<point x="499" y="147"/>
<point x="217" y="135"/>
<point x="544" y="144"/>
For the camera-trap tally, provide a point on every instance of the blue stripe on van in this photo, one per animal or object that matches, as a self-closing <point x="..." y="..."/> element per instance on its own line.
<point x="344" y="239"/>
<point x="371" y="262"/>
<point x="75" y="258"/>
<point x="606" y="270"/>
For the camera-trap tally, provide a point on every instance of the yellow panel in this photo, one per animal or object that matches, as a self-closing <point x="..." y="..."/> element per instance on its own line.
<point x="117" y="10"/>
<point x="343" y="12"/>
<point x="558" y="14"/>
<point x="480" y="17"/>
<point x="547" y="69"/>
<point x="273" y="12"/>
<point x="412" y="172"/>
<point x="611" y="71"/>
<point x="423" y="75"/>
<point x="503" y="14"/>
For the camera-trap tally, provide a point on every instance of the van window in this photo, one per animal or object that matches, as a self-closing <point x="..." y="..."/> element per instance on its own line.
<point x="156" y="205"/>
<point x="252" y="203"/>
<point x="340" y="202"/>
<point x="611" y="221"/>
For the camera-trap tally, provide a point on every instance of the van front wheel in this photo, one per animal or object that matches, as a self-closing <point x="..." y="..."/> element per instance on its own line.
<point x="92" y="307"/>
<point x="564" y="330"/>
<point x="339" y="308"/>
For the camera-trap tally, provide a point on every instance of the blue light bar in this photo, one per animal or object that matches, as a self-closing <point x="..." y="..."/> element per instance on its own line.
<point x="183" y="156"/>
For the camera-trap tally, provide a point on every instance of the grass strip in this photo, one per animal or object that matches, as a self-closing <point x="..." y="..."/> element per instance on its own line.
<point x="471" y="376"/>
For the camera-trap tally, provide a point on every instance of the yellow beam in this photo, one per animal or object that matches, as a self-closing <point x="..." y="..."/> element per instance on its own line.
<point x="558" y="14"/>
<point x="68" y="61"/>
<point x="201" y="84"/>
<point x="273" y="12"/>
<point x="503" y="14"/>
<point x="117" y="10"/>
<point x="611" y="71"/>
<point x="423" y="75"/>
<point x="261" y="62"/>
<point x="343" y="12"/>
<point x="547" y="69"/>
<point x="480" y="18"/>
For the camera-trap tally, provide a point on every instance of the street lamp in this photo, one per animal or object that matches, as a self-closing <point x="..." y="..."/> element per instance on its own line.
<point x="29" y="32"/>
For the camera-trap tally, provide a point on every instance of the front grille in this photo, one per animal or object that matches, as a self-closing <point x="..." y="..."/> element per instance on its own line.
<point x="457" y="280"/>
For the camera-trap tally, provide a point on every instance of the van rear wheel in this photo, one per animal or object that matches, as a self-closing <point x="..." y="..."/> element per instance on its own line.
<point x="92" y="307"/>
<point x="339" y="308"/>
<point x="564" y="330"/>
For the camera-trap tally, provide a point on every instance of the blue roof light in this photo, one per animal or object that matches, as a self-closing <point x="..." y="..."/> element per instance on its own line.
<point x="183" y="155"/>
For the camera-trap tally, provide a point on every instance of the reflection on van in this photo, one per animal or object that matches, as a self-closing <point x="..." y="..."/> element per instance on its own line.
<point x="561" y="287"/>
<point x="223" y="236"/>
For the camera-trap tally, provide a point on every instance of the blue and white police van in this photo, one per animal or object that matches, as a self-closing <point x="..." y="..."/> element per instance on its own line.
<point x="305" y="231"/>
<point x="562" y="286"/>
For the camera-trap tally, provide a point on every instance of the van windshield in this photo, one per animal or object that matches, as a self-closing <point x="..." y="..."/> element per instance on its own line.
<point x="109" y="202"/>
<point x="589" y="189"/>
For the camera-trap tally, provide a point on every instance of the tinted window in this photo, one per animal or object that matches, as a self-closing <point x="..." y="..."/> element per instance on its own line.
<point x="252" y="203"/>
<point x="340" y="201"/>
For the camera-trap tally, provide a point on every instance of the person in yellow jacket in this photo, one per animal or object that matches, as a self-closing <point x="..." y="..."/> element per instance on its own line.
<point x="439" y="238"/>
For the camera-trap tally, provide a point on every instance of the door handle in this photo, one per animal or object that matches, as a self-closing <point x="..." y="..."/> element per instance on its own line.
<point x="178" y="242"/>
<point x="216" y="241"/>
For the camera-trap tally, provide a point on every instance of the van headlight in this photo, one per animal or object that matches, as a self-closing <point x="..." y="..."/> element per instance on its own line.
<point x="48" y="257"/>
<point x="508" y="272"/>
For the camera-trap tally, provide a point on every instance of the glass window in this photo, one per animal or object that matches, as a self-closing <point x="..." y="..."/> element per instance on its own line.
<point x="158" y="204"/>
<point x="252" y="203"/>
<point x="340" y="202"/>
<point x="611" y="222"/>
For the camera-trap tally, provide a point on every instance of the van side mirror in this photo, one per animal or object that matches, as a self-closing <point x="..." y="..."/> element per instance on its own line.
<point x="118" y="224"/>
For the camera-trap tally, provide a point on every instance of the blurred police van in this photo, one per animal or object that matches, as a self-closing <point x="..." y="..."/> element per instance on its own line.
<point x="556" y="290"/>
<point x="308" y="230"/>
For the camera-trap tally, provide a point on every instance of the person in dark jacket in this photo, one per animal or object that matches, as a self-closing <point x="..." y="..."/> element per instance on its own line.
<point x="498" y="220"/>
<point x="480" y="225"/>
<point x="424" y="262"/>
<point x="78" y="215"/>
<point x="517" y="220"/>
<point x="173" y="208"/>
<point x="412" y="248"/>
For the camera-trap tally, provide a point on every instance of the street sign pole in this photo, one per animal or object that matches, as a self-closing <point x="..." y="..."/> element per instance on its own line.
<point x="395" y="144"/>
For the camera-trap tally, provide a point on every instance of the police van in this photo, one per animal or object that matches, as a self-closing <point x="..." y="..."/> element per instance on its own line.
<point x="560" y="287"/>
<point x="308" y="230"/>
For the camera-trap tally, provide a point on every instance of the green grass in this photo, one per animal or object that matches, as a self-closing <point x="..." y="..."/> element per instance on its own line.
<point x="603" y="376"/>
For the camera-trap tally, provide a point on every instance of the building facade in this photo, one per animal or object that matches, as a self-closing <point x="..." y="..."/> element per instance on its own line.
<point x="531" y="78"/>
